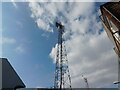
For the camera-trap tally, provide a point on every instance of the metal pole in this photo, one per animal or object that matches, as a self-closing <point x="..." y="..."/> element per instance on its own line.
<point x="60" y="31"/>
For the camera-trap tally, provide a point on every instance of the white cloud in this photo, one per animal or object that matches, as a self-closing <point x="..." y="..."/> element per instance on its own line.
<point x="53" y="53"/>
<point x="19" y="23"/>
<point x="20" y="49"/>
<point x="42" y="24"/>
<point x="14" y="4"/>
<point x="6" y="40"/>
<point x="93" y="58"/>
<point x="45" y="35"/>
<point x="89" y="52"/>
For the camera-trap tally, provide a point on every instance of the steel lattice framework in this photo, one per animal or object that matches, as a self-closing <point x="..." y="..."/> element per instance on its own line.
<point x="62" y="74"/>
<point x="86" y="82"/>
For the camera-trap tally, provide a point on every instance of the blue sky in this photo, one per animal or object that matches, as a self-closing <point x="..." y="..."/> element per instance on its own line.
<point x="28" y="46"/>
<point x="33" y="64"/>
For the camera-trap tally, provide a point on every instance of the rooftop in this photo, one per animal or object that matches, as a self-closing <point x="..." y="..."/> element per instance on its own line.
<point x="113" y="8"/>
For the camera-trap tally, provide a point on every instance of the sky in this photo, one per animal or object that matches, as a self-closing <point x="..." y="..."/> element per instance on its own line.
<point x="29" y="41"/>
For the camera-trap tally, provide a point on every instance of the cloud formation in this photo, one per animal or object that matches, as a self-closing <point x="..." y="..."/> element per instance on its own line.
<point x="20" y="49"/>
<point x="6" y="40"/>
<point x="89" y="50"/>
<point x="14" y="4"/>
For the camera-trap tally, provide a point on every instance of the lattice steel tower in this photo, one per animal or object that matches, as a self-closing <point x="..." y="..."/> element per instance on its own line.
<point x="62" y="74"/>
<point x="86" y="82"/>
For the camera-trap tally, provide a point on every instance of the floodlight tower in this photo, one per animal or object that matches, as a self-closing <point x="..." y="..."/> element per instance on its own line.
<point x="62" y="74"/>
